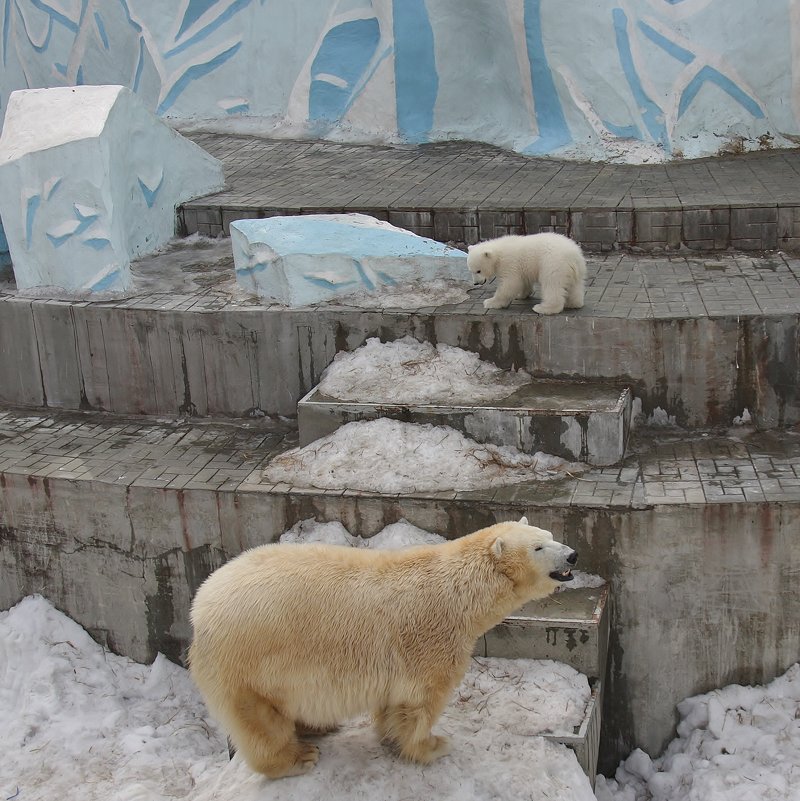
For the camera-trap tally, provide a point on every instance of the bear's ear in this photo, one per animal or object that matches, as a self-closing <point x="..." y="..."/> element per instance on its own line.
<point x="524" y="521"/>
<point x="497" y="548"/>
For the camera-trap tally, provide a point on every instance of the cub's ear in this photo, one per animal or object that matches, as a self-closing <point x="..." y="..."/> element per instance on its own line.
<point x="524" y="521"/>
<point x="497" y="548"/>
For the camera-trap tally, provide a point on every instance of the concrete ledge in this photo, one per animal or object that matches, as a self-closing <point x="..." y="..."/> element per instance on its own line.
<point x="701" y="339"/>
<point x="576" y="421"/>
<point x="666" y="228"/>
<point x="569" y="627"/>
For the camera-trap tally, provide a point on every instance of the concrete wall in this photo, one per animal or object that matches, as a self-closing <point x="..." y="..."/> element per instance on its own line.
<point x="239" y="361"/>
<point x="628" y="79"/>
<point x="703" y="595"/>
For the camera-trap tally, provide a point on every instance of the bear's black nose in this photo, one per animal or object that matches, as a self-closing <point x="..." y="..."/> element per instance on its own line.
<point x="573" y="557"/>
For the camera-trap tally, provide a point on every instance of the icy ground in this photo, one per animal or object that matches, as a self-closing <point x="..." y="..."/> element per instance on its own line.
<point x="388" y="456"/>
<point x="427" y="374"/>
<point x="78" y="723"/>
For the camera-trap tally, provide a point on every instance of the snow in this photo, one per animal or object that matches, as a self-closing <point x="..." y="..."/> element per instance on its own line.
<point x="81" y="723"/>
<point x="401" y="534"/>
<point x="580" y="580"/>
<point x="417" y="372"/>
<point x="388" y="456"/>
<point x="734" y="744"/>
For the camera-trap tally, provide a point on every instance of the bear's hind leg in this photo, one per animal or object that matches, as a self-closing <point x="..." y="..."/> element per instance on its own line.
<point x="575" y="297"/>
<point x="554" y="292"/>
<point x="267" y="739"/>
<point x="409" y="727"/>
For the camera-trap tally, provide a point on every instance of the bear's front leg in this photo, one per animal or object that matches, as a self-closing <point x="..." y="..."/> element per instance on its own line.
<point x="409" y="728"/>
<point x="509" y="289"/>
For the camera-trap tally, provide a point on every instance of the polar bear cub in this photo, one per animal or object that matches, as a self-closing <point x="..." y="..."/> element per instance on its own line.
<point x="555" y="261"/>
<point x="294" y="639"/>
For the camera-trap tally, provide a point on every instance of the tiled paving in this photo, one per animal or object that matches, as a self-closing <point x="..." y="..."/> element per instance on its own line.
<point x="637" y="286"/>
<point x="465" y="192"/>
<point x="667" y="467"/>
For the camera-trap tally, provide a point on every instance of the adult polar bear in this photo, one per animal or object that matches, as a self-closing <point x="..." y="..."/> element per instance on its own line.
<point x="297" y="638"/>
<point x="555" y="261"/>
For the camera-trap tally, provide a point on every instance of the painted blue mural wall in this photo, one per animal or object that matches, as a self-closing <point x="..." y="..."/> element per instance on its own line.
<point x="629" y="80"/>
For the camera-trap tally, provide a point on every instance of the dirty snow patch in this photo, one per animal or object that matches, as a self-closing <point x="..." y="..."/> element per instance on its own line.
<point x="417" y="372"/>
<point x="388" y="456"/>
<point x="581" y="580"/>
<point x="406" y="295"/>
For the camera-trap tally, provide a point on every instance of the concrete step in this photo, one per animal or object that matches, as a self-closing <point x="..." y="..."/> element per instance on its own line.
<point x="748" y="202"/>
<point x="570" y="627"/>
<point x="578" y="421"/>
<point x="701" y="339"/>
<point x="585" y="739"/>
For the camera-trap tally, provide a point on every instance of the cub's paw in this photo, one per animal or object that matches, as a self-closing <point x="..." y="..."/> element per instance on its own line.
<point x="494" y="303"/>
<point x="541" y="308"/>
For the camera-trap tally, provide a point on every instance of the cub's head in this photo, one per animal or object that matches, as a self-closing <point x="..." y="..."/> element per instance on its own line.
<point x="531" y="558"/>
<point x="481" y="263"/>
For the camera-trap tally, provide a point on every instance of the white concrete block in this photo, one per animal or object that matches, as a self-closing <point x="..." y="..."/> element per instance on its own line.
<point x="315" y="257"/>
<point x="90" y="181"/>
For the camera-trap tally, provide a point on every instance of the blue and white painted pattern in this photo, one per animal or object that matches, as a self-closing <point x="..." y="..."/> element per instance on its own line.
<point x="82" y="195"/>
<point x="300" y="260"/>
<point x="622" y="79"/>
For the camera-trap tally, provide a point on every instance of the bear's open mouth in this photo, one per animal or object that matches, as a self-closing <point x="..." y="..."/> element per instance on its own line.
<point x="562" y="575"/>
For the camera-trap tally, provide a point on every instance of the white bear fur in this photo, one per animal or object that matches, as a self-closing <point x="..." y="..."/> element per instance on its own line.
<point x="294" y="639"/>
<point x="555" y="261"/>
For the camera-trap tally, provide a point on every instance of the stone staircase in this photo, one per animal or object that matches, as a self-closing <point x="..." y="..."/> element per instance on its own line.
<point x="134" y="434"/>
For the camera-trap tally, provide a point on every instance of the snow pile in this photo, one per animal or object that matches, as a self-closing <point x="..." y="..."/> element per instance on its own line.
<point x="81" y="723"/>
<point x="735" y="744"/>
<point x="401" y="534"/>
<point x="388" y="456"/>
<point x="406" y="295"/>
<point x="581" y="580"/>
<point x="416" y="372"/>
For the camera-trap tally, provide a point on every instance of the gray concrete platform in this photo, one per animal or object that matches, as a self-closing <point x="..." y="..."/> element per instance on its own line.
<point x="464" y="192"/>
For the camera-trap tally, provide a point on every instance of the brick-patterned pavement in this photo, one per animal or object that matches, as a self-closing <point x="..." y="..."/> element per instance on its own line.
<point x="666" y="467"/>
<point x="465" y="192"/>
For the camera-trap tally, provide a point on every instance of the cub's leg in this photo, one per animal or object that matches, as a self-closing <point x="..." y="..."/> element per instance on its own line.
<point x="505" y="293"/>
<point x="575" y="297"/>
<point x="267" y="739"/>
<point x="554" y="292"/>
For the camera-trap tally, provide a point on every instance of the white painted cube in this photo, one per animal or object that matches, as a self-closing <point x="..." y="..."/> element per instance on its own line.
<point x="305" y="259"/>
<point x="91" y="180"/>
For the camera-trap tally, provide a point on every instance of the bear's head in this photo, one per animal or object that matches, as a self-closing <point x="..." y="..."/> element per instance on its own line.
<point x="480" y="263"/>
<point x="531" y="558"/>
